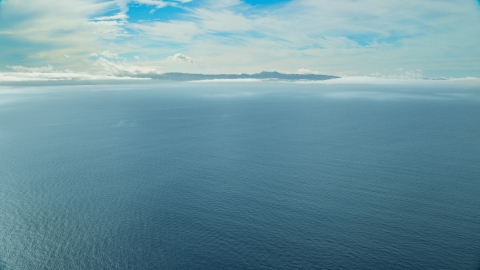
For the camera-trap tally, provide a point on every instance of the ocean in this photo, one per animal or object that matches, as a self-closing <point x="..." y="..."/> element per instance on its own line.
<point x="251" y="175"/>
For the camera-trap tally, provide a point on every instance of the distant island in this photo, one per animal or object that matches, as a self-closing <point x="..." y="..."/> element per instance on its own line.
<point x="175" y="76"/>
<point x="59" y="78"/>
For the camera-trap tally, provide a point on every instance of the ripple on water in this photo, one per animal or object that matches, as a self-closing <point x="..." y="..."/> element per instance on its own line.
<point x="153" y="180"/>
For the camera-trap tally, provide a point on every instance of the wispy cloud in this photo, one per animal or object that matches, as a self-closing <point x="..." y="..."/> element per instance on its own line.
<point x="307" y="71"/>
<point x="370" y="80"/>
<point x="58" y="76"/>
<point x="46" y="69"/>
<point x="181" y="57"/>
<point x="109" y="55"/>
<point x="112" y="70"/>
<point x="336" y="37"/>
<point x="113" y="64"/>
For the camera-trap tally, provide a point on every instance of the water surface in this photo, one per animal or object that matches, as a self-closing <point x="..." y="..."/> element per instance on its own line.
<point x="240" y="176"/>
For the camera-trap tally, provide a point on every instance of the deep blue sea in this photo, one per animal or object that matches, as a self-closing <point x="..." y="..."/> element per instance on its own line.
<point x="240" y="176"/>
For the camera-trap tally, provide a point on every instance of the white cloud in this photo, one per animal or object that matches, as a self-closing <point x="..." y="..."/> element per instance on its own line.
<point x="156" y="3"/>
<point x="173" y="31"/>
<point x="218" y="5"/>
<point x="56" y="76"/>
<point x="334" y="36"/>
<point x="161" y="3"/>
<point x="110" y="55"/>
<point x="46" y="29"/>
<point x="119" y="16"/>
<point x="46" y="69"/>
<point x="181" y="57"/>
<point x="399" y="73"/>
<point x="395" y="81"/>
<point x="224" y="20"/>
<point x="306" y="71"/>
<point x="49" y="73"/>
<point x="123" y="68"/>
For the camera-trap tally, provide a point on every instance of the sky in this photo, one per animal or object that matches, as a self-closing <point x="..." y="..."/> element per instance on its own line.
<point x="390" y="39"/>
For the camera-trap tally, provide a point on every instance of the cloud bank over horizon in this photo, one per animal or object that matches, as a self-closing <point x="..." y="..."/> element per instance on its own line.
<point x="122" y="72"/>
<point x="374" y="38"/>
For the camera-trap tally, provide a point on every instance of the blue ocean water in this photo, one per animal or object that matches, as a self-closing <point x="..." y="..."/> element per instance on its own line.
<point x="240" y="176"/>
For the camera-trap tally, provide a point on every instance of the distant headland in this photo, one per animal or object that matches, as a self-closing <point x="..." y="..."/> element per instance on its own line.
<point x="175" y="76"/>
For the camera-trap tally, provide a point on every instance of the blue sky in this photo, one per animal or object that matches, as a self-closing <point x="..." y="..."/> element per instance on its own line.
<point x="398" y="39"/>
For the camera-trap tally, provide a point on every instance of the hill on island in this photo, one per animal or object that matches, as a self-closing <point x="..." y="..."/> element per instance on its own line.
<point x="175" y="76"/>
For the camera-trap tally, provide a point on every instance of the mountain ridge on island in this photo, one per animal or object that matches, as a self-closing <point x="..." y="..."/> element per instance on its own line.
<point x="273" y="75"/>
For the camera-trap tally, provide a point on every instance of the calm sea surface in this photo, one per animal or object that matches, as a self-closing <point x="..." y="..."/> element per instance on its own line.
<point x="240" y="176"/>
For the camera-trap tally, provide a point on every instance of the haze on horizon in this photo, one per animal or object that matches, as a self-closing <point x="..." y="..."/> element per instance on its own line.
<point x="393" y="39"/>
